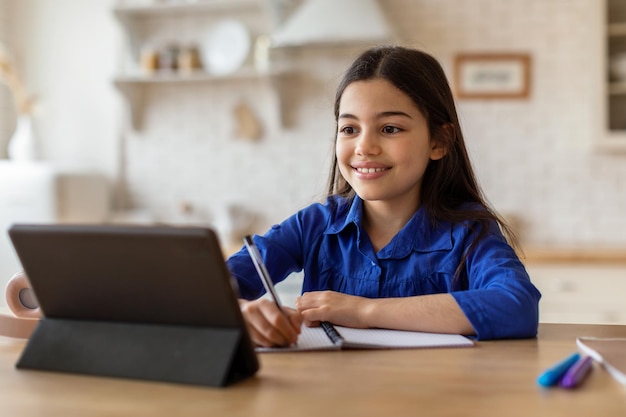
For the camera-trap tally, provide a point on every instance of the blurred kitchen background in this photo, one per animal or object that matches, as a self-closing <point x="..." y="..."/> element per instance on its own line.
<point x="219" y="113"/>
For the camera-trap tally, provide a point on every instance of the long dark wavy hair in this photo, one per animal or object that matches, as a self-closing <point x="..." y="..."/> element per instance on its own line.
<point x="448" y="182"/>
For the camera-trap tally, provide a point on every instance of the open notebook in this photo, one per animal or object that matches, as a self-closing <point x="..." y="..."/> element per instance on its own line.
<point x="329" y="337"/>
<point x="610" y="352"/>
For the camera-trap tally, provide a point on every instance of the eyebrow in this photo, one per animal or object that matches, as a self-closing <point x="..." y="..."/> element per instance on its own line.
<point x="378" y="115"/>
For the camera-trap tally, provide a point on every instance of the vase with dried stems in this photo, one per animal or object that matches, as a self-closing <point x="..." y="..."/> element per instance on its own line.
<point x="22" y="145"/>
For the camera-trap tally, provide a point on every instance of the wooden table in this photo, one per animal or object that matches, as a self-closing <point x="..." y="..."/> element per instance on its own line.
<point x="495" y="378"/>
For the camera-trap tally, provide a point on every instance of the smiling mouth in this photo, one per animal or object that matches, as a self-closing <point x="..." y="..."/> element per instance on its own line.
<point x="370" y="170"/>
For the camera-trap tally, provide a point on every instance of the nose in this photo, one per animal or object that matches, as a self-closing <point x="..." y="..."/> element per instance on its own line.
<point x="367" y="143"/>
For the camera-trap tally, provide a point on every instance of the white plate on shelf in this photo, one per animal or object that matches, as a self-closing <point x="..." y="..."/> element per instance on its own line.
<point x="226" y="47"/>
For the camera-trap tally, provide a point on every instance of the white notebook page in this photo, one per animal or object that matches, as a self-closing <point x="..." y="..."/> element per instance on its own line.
<point x="315" y="338"/>
<point x="399" y="339"/>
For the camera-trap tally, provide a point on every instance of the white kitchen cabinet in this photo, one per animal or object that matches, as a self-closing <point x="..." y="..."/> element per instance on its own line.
<point x="581" y="291"/>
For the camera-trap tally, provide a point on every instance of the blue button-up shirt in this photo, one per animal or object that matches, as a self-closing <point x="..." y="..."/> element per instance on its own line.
<point x="328" y="242"/>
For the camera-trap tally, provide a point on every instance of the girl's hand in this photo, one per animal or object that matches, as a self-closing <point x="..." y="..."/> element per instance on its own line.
<point x="335" y="307"/>
<point x="268" y="326"/>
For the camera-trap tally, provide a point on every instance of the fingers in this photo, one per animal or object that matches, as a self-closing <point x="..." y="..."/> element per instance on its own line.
<point x="268" y="326"/>
<point x="312" y="317"/>
<point x="313" y="306"/>
<point x="295" y="318"/>
<point x="337" y="308"/>
<point x="310" y="300"/>
<point x="315" y="300"/>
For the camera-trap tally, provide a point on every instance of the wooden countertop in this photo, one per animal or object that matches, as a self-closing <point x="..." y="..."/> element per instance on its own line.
<point x="494" y="378"/>
<point x="537" y="254"/>
<point x="550" y="254"/>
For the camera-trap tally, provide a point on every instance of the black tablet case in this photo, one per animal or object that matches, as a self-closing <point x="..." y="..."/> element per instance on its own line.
<point x="145" y="302"/>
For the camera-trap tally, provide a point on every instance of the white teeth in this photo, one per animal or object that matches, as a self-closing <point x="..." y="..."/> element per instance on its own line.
<point x="369" y="170"/>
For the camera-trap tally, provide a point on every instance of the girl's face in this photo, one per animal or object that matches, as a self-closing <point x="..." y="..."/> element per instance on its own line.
<point x="383" y="144"/>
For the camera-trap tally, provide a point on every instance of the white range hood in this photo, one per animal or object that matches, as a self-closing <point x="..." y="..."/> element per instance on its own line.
<point x="333" y="22"/>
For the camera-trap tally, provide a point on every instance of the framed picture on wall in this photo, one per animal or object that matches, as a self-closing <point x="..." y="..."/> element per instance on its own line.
<point x="492" y="76"/>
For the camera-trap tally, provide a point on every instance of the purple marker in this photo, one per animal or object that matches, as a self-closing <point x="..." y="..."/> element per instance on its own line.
<point x="576" y="373"/>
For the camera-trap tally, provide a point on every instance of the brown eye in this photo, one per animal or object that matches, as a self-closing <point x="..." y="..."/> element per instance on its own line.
<point x="390" y="130"/>
<point x="348" y="130"/>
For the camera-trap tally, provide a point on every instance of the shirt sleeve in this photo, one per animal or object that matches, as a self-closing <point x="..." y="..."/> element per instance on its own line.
<point x="500" y="302"/>
<point x="281" y="249"/>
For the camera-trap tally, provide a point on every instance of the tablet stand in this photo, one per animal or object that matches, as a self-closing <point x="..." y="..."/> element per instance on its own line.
<point x="169" y="353"/>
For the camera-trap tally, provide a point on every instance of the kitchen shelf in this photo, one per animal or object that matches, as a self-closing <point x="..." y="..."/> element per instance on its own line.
<point x="128" y="9"/>
<point x="161" y="17"/>
<point x="177" y="77"/>
<point x="617" y="88"/>
<point x="616" y="29"/>
<point x="132" y="86"/>
<point x="131" y="15"/>
<point x="575" y="255"/>
<point x="614" y="142"/>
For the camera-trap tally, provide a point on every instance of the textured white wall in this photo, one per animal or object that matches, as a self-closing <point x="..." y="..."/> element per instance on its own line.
<point x="534" y="157"/>
<point x="188" y="150"/>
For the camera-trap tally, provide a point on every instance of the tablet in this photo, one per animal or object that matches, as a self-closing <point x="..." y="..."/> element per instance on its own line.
<point x="161" y="275"/>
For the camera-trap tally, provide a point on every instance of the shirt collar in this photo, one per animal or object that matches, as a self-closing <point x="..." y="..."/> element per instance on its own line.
<point x="417" y="235"/>
<point x="344" y="218"/>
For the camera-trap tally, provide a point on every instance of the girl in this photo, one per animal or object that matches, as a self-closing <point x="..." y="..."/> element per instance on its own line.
<point x="405" y="239"/>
